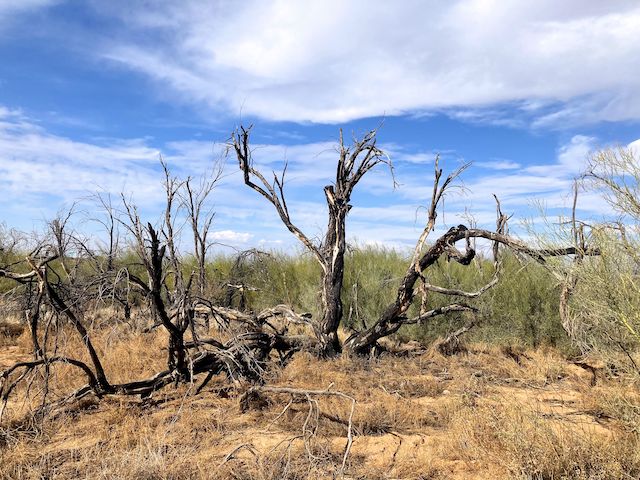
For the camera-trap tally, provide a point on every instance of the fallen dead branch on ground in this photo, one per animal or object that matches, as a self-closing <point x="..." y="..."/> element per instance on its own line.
<point x="310" y="425"/>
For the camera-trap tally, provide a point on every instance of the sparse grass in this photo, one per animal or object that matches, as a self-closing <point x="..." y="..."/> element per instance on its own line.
<point x="491" y="412"/>
<point x="10" y="329"/>
<point x="613" y="401"/>
<point x="533" y="445"/>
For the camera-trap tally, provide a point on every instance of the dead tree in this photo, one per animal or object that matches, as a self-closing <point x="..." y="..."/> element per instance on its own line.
<point x="244" y="356"/>
<point x="61" y="290"/>
<point x="194" y="197"/>
<point x="353" y="163"/>
<point x="570" y="280"/>
<point x="113" y="287"/>
<point x="62" y="278"/>
<point x="236" y="286"/>
<point x="152" y="254"/>
<point x="396" y="314"/>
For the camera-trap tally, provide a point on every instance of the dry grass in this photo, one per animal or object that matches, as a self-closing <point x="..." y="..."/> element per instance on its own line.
<point x="486" y="413"/>
<point x="10" y="329"/>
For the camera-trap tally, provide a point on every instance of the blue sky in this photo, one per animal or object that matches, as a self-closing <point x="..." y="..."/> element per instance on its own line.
<point x="92" y="92"/>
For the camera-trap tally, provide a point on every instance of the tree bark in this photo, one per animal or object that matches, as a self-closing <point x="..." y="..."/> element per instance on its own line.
<point x="334" y="249"/>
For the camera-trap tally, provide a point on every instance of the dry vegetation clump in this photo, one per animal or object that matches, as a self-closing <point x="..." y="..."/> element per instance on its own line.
<point x="615" y="402"/>
<point x="532" y="444"/>
<point x="10" y="328"/>
<point x="125" y="352"/>
<point x="488" y="412"/>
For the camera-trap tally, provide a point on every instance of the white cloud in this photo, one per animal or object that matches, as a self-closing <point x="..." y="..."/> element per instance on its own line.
<point x="333" y="60"/>
<point x="572" y="158"/>
<point x="573" y="155"/>
<point x="39" y="171"/>
<point x="230" y="236"/>
<point x="499" y="165"/>
<point x="35" y="162"/>
<point x="635" y="146"/>
<point x="399" y="153"/>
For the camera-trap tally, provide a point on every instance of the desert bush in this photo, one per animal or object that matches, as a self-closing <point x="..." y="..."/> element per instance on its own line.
<point x="606" y="302"/>
<point x="371" y="276"/>
<point x="604" y="290"/>
<point x="522" y="308"/>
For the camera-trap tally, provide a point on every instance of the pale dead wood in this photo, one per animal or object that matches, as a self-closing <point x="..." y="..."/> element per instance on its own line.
<point x="354" y="162"/>
<point x="394" y="316"/>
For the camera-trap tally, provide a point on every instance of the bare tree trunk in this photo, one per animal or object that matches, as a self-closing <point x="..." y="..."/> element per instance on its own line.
<point x="194" y="200"/>
<point x="333" y="251"/>
<point x="34" y="317"/>
<point x="60" y="305"/>
<point x="353" y="163"/>
<point x="570" y="281"/>
<point x="176" y="359"/>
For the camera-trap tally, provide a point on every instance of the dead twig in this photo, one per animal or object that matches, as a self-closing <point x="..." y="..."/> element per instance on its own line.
<point x="309" y="395"/>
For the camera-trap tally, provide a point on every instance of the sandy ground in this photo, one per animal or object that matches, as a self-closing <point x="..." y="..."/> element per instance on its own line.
<point x="482" y="414"/>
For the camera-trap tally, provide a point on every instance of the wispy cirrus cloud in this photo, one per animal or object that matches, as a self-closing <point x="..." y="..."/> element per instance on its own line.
<point x="499" y="164"/>
<point x="45" y="171"/>
<point x="34" y="162"/>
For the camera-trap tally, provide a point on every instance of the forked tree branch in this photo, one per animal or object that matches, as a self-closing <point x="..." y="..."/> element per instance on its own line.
<point x="240" y="143"/>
